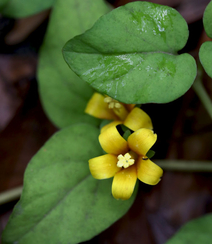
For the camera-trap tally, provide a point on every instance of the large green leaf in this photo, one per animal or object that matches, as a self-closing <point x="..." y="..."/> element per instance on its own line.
<point x="207" y="19"/>
<point x="205" y="52"/>
<point x="131" y="54"/>
<point x="196" y="231"/>
<point x="23" y="8"/>
<point x="61" y="201"/>
<point x="205" y="56"/>
<point x="64" y="95"/>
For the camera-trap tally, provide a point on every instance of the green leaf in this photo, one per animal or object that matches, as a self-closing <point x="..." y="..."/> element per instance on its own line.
<point x="150" y="154"/>
<point x="124" y="131"/>
<point x="126" y="134"/>
<point x="196" y="231"/>
<point x="205" y="52"/>
<point x="24" y="8"/>
<point x="61" y="201"/>
<point x="207" y="20"/>
<point x="63" y="94"/>
<point x="205" y="56"/>
<point x="130" y="54"/>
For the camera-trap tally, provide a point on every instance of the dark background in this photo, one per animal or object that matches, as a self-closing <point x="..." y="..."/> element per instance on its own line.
<point x="184" y="132"/>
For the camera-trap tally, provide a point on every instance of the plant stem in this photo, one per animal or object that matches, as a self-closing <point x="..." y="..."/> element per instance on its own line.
<point x="10" y="195"/>
<point x="166" y="164"/>
<point x="185" y="166"/>
<point x="201" y="93"/>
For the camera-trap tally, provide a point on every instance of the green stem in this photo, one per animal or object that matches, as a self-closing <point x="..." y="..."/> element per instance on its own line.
<point x="167" y="165"/>
<point x="184" y="166"/>
<point x="201" y="93"/>
<point x="10" y="195"/>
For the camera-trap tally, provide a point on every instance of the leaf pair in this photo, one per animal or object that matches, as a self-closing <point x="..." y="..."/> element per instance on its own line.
<point x="61" y="202"/>
<point x="129" y="54"/>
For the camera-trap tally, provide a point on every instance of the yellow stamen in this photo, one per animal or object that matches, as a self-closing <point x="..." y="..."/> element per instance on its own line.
<point x="108" y="99"/>
<point x="117" y="105"/>
<point x="112" y="103"/>
<point x="125" y="161"/>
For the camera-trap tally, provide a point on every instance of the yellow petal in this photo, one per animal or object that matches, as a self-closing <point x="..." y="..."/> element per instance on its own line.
<point x="121" y="112"/>
<point x="124" y="183"/>
<point x="103" y="167"/>
<point x="98" y="108"/>
<point x="112" y="142"/>
<point x="114" y="123"/>
<point x="141" y="141"/>
<point x="148" y="172"/>
<point x="137" y="119"/>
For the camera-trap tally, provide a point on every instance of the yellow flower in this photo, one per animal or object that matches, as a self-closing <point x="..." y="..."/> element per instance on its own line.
<point x="126" y="161"/>
<point x="107" y="108"/>
<point x="103" y="107"/>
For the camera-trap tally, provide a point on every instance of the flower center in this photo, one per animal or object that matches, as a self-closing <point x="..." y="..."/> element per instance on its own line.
<point x="125" y="161"/>
<point x="112" y="103"/>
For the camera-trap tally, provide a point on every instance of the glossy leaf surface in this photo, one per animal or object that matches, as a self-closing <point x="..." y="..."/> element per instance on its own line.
<point x="205" y="56"/>
<point x="24" y="8"/>
<point x="130" y="54"/>
<point x="196" y="231"/>
<point x="63" y="94"/>
<point x="61" y="201"/>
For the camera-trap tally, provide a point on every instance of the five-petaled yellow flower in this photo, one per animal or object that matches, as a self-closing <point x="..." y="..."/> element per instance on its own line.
<point x="126" y="161"/>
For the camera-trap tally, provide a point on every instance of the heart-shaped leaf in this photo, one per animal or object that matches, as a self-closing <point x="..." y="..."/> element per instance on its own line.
<point x="24" y="8"/>
<point x="196" y="231"/>
<point x="63" y="94"/>
<point x="205" y="56"/>
<point x="207" y="20"/>
<point x="61" y="201"/>
<point x="130" y="54"/>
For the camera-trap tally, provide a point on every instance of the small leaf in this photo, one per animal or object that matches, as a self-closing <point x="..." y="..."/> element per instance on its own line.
<point x="126" y="134"/>
<point x="63" y="94"/>
<point x="205" y="56"/>
<point x="196" y="231"/>
<point x="150" y="154"/>
<point x="124" y="131"/>
<point x="130" y="54"/>
<point x="24" y="8"/>
<point x="61" y="201"/>
<point x="207" y="20"/>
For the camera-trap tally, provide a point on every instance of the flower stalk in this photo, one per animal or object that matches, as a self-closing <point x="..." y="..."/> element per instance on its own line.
<point x="185" y="166"/>
<point x="201" y="92"/>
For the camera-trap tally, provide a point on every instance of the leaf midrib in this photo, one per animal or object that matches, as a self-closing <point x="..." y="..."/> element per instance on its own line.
<point x="122" y="53"/>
